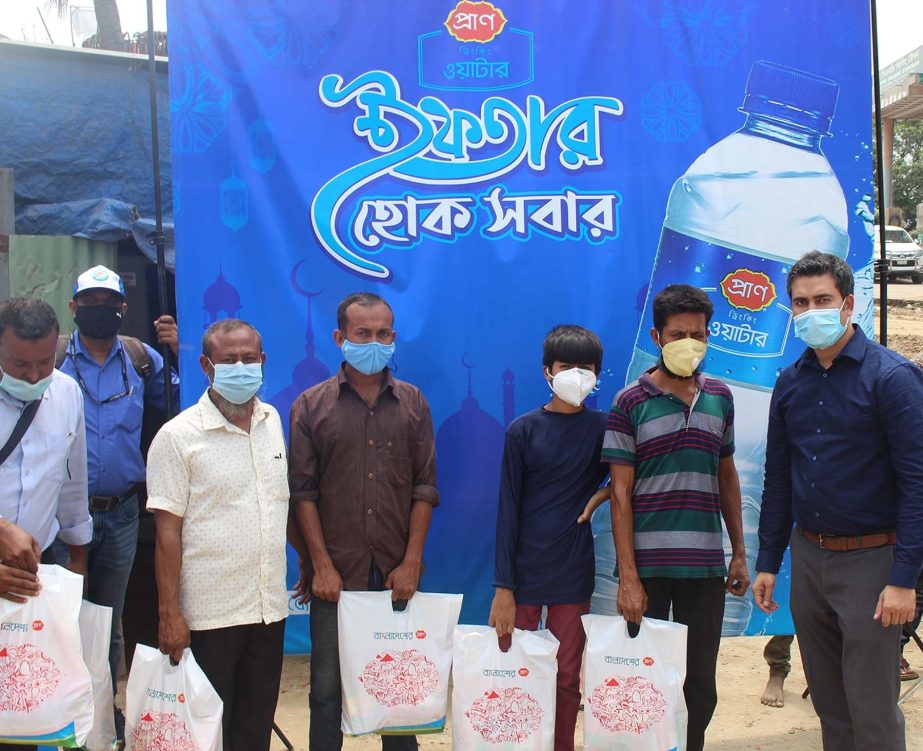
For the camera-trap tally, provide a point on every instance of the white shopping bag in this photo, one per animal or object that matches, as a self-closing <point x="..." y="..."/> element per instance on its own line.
<point x="45" y="690"/>
<point x="394" y="666"/>
<point x="633" y="688"/>
<point x="170" y="706"/>
<point x="95" y="627"/>
<point x="503" y="701"/>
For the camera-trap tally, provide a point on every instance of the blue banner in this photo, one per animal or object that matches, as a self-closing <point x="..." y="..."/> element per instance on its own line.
<point x="496" y="168"/>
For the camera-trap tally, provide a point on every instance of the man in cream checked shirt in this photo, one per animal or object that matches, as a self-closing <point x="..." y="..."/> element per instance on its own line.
<point x="218" y="484"/>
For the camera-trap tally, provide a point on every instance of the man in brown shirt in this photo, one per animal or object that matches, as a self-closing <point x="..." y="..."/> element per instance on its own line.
<point x="362" y="474"/>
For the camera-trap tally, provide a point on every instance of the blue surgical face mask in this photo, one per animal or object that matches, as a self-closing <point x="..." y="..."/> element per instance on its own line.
<point x="23" y="390"/>
<point x="820" y="328"/>
<point x="368" y="358"/>
<point x="238" y="383"/>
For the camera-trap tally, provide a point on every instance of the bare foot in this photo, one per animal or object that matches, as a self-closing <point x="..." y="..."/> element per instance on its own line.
<point x="773" y="695"/>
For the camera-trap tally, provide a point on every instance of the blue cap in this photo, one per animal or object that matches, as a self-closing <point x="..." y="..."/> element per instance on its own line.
<point x="99" y="277"/>
<point x="792" y="95"/>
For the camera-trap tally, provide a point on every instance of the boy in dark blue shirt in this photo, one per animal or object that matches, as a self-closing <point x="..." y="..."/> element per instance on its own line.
<point x="551" y="474"/>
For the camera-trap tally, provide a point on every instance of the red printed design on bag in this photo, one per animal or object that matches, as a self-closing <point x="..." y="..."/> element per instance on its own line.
<point x="630" y="704"/>
<point x="397" y="679"/>
<point x="27" y="677"/>
<point x="505" y="715"/>
<point x="161" y="731"/>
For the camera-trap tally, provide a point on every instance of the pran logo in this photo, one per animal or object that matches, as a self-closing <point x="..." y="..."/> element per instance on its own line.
<point x="421" y="634"/>
<point x="523" y="672"/>
<point x="475" y="21"/>
<point x="751" y="290"/>
<point x="181" y="698"/>
<point x="648" y="661"/>
<point x="37" y="625"/>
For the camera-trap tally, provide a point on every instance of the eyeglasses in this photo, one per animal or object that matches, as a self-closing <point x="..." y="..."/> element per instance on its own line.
<point x="127" y="389"/>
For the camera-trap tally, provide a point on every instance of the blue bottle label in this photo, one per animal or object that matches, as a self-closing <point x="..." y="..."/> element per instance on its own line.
<point x="750" y="335"/>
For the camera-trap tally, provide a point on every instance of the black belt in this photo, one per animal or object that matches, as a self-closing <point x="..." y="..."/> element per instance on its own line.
<point x="109" y="502"/>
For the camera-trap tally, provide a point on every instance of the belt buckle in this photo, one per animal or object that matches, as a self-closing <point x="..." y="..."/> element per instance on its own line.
<point x="820" y="540"/>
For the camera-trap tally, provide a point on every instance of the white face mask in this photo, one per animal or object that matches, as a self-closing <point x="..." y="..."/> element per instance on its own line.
<point x="573" y="385"/>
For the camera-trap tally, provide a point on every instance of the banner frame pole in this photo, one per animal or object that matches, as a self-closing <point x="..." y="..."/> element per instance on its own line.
<point x="882" y="260"/>
<point x="158" y="207"/>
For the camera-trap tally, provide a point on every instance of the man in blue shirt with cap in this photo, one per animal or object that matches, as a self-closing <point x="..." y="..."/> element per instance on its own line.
<point x="114" y="395"/>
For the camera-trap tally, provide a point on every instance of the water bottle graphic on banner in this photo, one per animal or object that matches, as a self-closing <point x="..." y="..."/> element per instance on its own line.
<point x="745" y="210"/>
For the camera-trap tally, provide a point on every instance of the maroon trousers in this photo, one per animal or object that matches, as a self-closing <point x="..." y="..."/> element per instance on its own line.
<point x="564" y="622"/>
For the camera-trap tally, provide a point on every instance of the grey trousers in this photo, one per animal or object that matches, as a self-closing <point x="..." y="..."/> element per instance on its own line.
<point x="850" y="660"/>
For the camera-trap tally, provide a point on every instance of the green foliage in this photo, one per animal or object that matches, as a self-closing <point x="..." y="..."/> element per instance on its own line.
<point x="907" y="168"/>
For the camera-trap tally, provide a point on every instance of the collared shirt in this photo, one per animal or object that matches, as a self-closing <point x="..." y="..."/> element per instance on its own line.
<point x="844" y="453"/>
<point x="43" y="483"/>
<point x="231" y="489"/>
<point x="114" y="458"/>
<point x="363" y="466"/>
<point x="676" y="450"/>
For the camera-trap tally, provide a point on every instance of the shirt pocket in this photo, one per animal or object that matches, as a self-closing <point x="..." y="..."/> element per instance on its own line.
<point x="395" y="461"/>
<point x="275" y="476"/>
<point x="57" y="450"/>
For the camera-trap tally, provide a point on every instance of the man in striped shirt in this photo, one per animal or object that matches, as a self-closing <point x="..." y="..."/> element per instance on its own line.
<point x="670" y="444"/>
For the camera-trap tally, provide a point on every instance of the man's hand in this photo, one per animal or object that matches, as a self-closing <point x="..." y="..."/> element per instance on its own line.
<point x="327" y="584"/>
<point x="631" y="601"/>
<point x="896" y="606"/>
<point x="303" y="585"/>
<point x="16" y="585"/>
<point x="18" y="548"/>
<point x="167" y="333"/>
<point x="503" y="612"/>
<point x="596" y="500"/>
<point x="173" y="634"/>
<point x="738" y="576"/>
<point x="762" y="592"/>
<point x="403" y="581"/>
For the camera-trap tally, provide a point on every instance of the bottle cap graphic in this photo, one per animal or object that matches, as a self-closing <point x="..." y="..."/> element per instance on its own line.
<point x="793" y="95"/>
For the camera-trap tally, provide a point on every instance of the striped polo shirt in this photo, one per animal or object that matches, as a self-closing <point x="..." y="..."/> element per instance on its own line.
<point x="675" y="450"/>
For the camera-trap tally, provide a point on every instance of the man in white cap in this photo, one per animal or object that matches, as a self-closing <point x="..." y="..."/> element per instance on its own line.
<point x="118" y="376"/>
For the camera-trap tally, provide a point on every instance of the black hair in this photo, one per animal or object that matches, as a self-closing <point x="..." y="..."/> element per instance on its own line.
<point x="680" y="298"/>
<point x="815" y="263"/>
<point x="572" y="344"/>
<point x="365" y="299"/>
<point x="28" y="318"/>
<point x="224" y="326"/>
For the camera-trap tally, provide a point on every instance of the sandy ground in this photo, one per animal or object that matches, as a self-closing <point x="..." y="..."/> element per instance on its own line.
<point x="741" y="723"/>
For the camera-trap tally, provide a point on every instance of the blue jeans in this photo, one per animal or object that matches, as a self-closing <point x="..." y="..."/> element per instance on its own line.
<point x="111" y="555"/>
<point x="325" y="698"/>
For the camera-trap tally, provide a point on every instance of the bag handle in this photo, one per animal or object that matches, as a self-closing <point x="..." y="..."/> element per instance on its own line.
<point x="19" y="430"/>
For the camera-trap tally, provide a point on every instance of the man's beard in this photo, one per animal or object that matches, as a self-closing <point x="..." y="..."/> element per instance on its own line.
<point x="670" y="374"/>
<point x="230" y="410"/>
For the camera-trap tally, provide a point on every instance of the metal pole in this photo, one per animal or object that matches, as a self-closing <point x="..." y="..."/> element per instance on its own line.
<point x="158" y="206"/>
<point x="44" y="24"/>
<point x="879" y="177"/>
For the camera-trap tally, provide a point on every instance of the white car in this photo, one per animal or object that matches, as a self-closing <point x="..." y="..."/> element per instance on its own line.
<point x="905" y="257"/>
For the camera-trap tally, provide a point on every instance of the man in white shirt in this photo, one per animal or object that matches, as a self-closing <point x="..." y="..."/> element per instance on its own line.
<point x="218" y="485"/>
<point x="43" y="480"/>
<point x="43" y="475"/>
